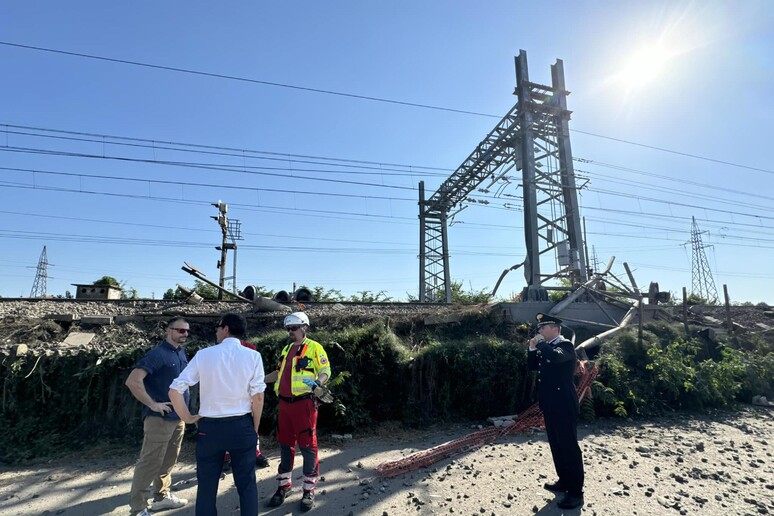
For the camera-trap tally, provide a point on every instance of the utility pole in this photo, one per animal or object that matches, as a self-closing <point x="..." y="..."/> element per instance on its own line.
<point x="229" y="229"/>
<point x="234" y="230"/>
<point x="41" y="276"/>
<point x="222" y="221"/>
<point x="702" y="282"/>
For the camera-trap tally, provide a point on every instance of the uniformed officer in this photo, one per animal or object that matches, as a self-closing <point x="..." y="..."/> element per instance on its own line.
<point x="554" y="359"/>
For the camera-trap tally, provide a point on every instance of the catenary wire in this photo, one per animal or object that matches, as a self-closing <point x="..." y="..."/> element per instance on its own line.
<point x="361" y="97"/>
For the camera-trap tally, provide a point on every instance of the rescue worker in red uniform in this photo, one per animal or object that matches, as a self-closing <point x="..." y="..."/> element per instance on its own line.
<point x="303" y="366"/>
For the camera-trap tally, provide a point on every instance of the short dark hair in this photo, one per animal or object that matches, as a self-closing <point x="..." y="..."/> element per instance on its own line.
<point x="175" y="319"/>
<point x="237" y="324"/>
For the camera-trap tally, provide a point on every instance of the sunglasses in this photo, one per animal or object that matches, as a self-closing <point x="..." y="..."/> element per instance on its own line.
<point x="293" y="328"/>
<point x="181" y="331"/>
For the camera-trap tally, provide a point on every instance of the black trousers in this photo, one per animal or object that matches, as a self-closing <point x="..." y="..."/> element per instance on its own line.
<point x="562" y="432"/>
<point x="214" y="439"/>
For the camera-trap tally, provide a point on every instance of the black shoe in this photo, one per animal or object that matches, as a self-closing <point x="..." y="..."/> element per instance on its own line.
<point x="226" y="466"/>
<point x="570" y="502"/>
<point x="307" y="501"/>
<point x="278" y="497"/>
<point x="556" y="487"/>
<point x="261" y="462"/>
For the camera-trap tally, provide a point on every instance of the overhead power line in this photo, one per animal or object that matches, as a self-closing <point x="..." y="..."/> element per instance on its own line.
<point x="675" y="179"/>
<point x="155" y="145"/>
<point x="210" y="185"/>
<point x="190" y="165"/>
<point x="359" y="97"/>
<point x="104" y="139"/>
<point x="356" y="196"/>
<point x="239" y="169"/>
<point x="672" y="151"/>
<point x="245" y="79"/>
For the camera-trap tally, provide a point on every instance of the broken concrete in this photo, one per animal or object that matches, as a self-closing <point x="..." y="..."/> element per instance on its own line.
<point x="102" y="320"/>
<point x="77" y="339"/>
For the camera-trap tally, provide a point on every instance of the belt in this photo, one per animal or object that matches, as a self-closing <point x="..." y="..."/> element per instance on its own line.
<point x="224" y="419"/>
<point x="293" y="399"/>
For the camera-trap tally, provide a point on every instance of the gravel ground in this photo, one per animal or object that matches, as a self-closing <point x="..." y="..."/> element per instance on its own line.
<point x="712" y="464"/>
<point x="136" y="323"/>
<point x="39" y="309"/>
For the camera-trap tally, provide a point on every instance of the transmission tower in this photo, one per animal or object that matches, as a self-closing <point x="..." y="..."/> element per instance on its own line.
<point x="533" y="137"/>
<point x="702" y="282"/>
<point x="39" y="286"/>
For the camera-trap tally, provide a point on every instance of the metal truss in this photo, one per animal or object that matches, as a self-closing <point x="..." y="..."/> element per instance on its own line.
<point x="534" y="138"/>
<point x="702" y="284"/>
<point x="41" y="276"/>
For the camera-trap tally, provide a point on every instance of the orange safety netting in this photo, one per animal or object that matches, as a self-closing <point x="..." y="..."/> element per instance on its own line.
<point x="530" y="418"/>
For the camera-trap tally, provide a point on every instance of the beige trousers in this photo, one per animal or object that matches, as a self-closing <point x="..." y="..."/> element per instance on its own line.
<point x="160" y="448"/>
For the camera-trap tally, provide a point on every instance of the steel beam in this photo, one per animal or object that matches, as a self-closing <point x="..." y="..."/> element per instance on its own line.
<point x="532" y="137"/>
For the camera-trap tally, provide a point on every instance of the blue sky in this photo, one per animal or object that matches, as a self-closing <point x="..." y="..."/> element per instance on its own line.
<point x="694" y="78"/>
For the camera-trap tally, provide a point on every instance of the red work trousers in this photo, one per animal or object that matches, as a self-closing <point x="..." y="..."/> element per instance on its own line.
<point x="297" y="423"/>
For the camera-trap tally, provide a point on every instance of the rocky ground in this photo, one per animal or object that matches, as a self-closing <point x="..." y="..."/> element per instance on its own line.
<point x="714" y="464"/>
<point x="45" y="324"/>
<point x="719" y="463"/>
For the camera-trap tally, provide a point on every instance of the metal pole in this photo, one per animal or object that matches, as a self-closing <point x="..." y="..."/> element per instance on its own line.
<point x="223" y="252"/>
<point x="532" y="264"/>
<point x="631" y="278"/>
<point x="569" y="188"/>
<point x="586" y="248"/>
<point x="234" y="284"/>
<point x="445" y="250"/>
<point x="729" y="325"/>
<point x="685" y="310"/>
<point x="422" y="257"/>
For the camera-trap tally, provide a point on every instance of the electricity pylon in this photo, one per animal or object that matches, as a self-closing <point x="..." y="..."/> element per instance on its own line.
<point x="39" y="286"/>
<point x="702" y="282"/>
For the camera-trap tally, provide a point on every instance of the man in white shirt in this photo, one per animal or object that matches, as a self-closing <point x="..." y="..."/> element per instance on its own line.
<point x="231" y="386"/>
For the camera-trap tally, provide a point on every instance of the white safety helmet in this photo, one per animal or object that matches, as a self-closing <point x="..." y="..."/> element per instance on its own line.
<point x="296" y="319"/>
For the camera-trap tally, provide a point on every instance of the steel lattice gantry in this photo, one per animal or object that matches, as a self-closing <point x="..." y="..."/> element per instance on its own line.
<point x="534" y="138"/>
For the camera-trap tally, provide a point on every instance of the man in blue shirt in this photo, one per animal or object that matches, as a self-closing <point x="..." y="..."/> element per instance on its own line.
<point x="149" y="382"/>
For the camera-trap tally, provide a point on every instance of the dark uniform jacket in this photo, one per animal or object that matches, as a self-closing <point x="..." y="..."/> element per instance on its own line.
<point x="555" y="363"/>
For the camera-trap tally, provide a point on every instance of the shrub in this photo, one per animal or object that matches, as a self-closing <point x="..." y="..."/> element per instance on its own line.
<point x="667" y="372"/>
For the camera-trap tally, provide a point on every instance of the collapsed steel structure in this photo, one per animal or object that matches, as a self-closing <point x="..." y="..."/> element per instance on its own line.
<point x="534" y="138"/>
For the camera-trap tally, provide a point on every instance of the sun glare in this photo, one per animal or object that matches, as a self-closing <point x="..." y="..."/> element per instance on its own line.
<point x="644" y="67"/>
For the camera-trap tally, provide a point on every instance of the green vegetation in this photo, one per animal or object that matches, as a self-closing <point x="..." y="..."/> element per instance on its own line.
<point x="461" y="296"/>
<point x="388" y="371"/>
<point x="107" y="281"/>
<point x="110" y="281"/>
<point x="669" y="372"/>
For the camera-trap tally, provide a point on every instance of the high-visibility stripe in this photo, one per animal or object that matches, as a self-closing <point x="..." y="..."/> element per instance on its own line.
<point x="297" y="385"/>
<point x="309" y="482"/>
<point x="285" y="479"/>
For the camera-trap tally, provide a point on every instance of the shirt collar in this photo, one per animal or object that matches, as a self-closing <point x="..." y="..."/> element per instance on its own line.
<point x="169" y="346"/>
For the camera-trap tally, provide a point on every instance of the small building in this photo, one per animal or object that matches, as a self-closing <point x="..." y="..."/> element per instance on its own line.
<point x="97" y="291"/>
